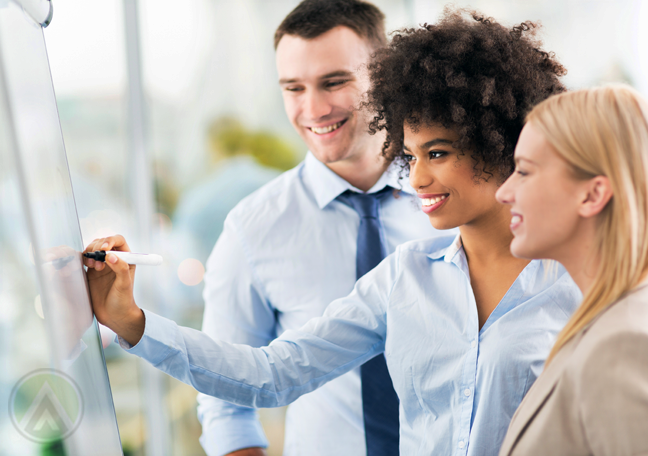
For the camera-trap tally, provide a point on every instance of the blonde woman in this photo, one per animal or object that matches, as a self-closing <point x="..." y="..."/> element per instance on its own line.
<point x="579" y="195"/>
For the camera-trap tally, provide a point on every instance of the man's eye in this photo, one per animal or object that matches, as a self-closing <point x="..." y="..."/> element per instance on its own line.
<point x="437" y="154"/>
<point x="293" y="89"/>
<point x="331" y="84"/>
<point x="408" y="158"/>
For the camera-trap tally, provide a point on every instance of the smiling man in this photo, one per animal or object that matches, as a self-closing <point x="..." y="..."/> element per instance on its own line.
<point x="302" y="240"/>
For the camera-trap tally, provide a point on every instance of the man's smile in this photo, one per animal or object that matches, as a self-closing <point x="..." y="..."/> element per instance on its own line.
<point x="328" y="128"/>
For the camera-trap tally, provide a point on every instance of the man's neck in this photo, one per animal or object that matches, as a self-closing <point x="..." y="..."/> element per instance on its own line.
<point x="361" y="171"/>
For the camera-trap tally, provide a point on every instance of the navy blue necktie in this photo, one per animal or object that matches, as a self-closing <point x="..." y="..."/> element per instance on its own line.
<point x="379" y="400"/>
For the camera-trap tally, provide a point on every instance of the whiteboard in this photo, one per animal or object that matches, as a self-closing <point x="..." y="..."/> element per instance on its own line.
<point x="54" y="387"/>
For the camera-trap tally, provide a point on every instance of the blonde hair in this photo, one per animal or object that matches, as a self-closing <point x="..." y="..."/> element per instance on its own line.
<point x="604" y="131"/>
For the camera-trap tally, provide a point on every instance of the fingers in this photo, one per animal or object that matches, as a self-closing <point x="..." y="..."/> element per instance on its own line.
<point x="116" y="242"/>
<point x="123" y="282"/>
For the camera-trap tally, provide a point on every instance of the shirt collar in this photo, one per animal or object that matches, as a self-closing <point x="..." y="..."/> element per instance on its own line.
<point x="450" y="252"/>
<point x="327" y="185"/>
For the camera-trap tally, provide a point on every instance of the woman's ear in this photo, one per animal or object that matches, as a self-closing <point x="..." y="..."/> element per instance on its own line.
<point x="598" y="194"/>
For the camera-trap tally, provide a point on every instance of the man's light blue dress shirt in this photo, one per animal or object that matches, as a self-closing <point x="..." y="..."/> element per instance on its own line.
<point x="286" y="252"/>
<point x="458" y="385"/>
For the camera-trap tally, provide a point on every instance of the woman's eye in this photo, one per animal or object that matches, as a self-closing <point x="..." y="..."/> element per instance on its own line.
<point x="520" y="172"/>
<point x="408" y="158"/>
<point x="437" y="154"/>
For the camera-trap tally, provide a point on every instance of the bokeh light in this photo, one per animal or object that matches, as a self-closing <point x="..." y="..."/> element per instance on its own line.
<point x="191" y="272"/>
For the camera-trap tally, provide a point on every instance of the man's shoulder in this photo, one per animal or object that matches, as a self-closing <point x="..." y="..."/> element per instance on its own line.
<point x="272" y="199"/>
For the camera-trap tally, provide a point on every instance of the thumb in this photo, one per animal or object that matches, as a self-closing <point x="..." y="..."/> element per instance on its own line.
<point x="123" y="282"/>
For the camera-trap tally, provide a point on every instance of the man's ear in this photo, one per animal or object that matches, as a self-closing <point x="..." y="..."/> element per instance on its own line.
<point x="599" y="193"/>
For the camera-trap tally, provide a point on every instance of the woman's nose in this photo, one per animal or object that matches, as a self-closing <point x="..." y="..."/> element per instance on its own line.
<point x="419" y="177"/>
<point x="505" y="194"/>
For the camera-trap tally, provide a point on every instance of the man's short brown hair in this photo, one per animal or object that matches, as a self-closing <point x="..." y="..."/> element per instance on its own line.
<point x="312" y="18"/>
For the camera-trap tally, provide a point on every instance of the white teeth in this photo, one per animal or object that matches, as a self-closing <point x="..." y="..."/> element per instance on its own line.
<point x="516" y="219"/>
<point x="431" y="201"/>
<point x="324" y="130"/>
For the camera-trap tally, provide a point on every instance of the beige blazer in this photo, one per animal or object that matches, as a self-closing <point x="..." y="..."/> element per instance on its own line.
<point x="592" y="399"/>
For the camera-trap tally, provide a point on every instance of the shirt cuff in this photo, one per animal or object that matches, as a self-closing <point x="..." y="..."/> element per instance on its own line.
<point x="157" y="341"/>
<point x="224" y="437"/>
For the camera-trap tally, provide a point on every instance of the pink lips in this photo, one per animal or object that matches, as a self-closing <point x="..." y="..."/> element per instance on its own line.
<point x="516" y="221"/>
<point x="432" y="207"/>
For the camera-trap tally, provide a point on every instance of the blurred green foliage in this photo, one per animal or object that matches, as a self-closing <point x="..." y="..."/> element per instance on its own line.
<point x="54" y="448"/>
<point x="166" y="191"/>
<point x="228" y="138"/>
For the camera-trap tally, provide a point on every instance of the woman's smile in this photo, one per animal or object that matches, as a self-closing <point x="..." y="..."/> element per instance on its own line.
<point x="516" y="220"/>
<point x="431" y="202"/>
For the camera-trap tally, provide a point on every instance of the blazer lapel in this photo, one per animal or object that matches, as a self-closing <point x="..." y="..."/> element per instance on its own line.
<point x="545" y="385"/>
<point x="537" y="396"/>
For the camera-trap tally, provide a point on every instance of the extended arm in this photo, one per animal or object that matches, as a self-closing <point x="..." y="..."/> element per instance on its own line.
<point x="351" y="331"/>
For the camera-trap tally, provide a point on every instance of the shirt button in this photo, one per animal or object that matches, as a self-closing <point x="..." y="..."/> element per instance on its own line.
<point x="467" y="392"/>
<point x="473" y="344"/>
<point x="462" y="444"/>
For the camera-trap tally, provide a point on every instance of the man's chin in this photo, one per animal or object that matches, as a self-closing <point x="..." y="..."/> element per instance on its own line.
<point x="329" y="155"/>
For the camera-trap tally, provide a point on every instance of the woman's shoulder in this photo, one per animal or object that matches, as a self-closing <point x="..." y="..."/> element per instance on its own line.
<point x="628" y="315"/>
<point x="600" y="386"/>
<point x="619" y="335"/>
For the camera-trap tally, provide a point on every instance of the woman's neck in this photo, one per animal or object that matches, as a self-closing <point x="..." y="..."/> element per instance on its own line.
<point x="579" y="255"/>
<point x="492" y="268"/>
<point x="489" y="238"/>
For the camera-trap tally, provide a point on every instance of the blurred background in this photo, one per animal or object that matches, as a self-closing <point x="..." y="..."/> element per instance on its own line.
<point x="171" y="113"/>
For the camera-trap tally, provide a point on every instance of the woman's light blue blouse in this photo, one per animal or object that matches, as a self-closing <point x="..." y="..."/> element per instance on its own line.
<point x="458" y="385"/>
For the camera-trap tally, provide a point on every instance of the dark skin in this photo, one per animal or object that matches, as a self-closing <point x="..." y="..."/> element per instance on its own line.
<point x="101" y="279"/>
<point x="436" y="169"/>
<point x="439" y="170"/>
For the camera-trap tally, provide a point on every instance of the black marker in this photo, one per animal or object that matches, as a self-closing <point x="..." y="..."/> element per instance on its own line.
<point x="128" y="257"/>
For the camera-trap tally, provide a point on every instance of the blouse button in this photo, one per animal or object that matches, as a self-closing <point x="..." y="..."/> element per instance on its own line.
<point x="467" y="392"/>
<point x="462" y="444"/>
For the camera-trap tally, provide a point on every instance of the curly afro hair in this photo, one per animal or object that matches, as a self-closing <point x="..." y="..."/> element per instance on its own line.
<point x="467" y="73"/>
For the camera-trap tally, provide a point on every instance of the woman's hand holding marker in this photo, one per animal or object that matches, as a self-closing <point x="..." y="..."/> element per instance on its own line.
<point x="111" y="290"/>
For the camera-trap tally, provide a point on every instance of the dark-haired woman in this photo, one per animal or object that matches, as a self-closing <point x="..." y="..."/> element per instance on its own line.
<point x="465" y="326"/>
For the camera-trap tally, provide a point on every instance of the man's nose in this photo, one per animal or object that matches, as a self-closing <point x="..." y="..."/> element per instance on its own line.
<point x="316" y="105"/>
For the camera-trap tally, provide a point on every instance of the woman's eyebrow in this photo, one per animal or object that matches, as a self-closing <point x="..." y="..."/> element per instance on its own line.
<point x="434" y="142"/>
<point x="519" y="159"/>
